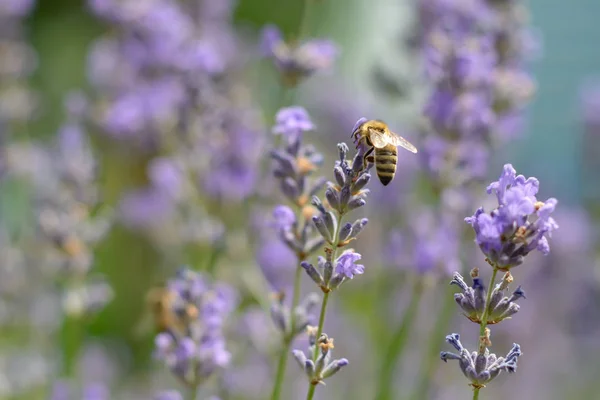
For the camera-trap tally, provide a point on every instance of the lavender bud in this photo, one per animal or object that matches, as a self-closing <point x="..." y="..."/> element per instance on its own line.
<point x="327" y="271"/>
<point x="345" y="232"/>
<point x="300" y="357"/>
<point x="340" y="177"/>
<point x="309" y="368"/>
<point x="358" y="226"/>
<point x="315" y="201"/>
<point x="342" y="151"/>
<point x="336" y="281"/>
<point x="360" y="183"/>
<point x="332" y="198"/>
<point x="290" y="189"/>
<point x="358" y="163"/>
<point x="334" y="367"/>
<point x="479" y="294"/>
<point x="312" y="273"/>
<point x="356" y="203"/>
<point x="345" y="196"/>
<point x="279" y="316"/>
<point x="330" y="221"/>
<point x="322" y="228"/>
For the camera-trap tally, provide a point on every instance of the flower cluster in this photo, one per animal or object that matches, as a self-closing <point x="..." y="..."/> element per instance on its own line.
<point x="521" y="223"/>
<point x="346" y="194"/>
<point x="505" y="236"/>
<point x="296" y="62"/>
<point x="171" y="83"/>
<point x="481" y="368"/>
<point x="293" y="167"/>
<point x="479" y="85"/>
<point x="323" y="367"/>
<point x="68" y="215"/>
<point x="472" y="298"/>
<point x="192" y="345"/>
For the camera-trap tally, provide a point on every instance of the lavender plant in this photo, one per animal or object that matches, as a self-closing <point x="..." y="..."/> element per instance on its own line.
<point x="293" y="166"/>
<point x="192" y="344"/>
<point x="346" y="194"/>
<point x="519" y="225"/>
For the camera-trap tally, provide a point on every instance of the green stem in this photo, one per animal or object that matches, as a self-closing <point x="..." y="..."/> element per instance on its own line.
<point x="287" y="341"/>
<point x="281" y="367"/>
<point x="484" y="320"/>
<point x="398" y="344"/>
<point x="72" y="335"/>
<point x="312" y="387"/>
<point x="191" y="392"/>
<point x="431" y="357"/>
<point x="486" y="311"/>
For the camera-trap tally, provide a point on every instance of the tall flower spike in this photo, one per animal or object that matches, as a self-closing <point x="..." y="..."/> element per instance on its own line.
<point x="520" y="224"/>
<point x="479" y="368"/>
<point x="296" y="62"/>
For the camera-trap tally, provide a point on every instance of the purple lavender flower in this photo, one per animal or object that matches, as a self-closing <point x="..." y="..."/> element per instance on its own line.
<point x="518" y="225"/>
<point x="292" y="122"/>
<point x="276" y="261"/>
<point x="296" y="62"/>
<point x="195" y="347"/>
<point x="346" y="264"/>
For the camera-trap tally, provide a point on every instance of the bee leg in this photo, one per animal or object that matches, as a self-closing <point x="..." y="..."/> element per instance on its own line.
<point x="368" y="158"/>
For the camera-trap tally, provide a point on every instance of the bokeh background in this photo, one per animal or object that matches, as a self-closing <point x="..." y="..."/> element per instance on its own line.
<point x="376" y="75"/>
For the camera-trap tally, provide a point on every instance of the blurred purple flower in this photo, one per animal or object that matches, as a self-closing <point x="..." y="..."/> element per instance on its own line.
<point x="276" y="262"/>
<point x="194" y="348"/>
<point x="284" y="217"/>
<point x="15" y="8"/>
<point x="296" y="62"/>
<point x="168" y="395"/>
<point x="291" y="122"/>
<point x="166" y="176"/>
<point x="144" y="207"/>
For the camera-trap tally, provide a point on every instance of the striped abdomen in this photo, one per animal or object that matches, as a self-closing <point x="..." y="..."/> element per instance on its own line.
<point x="385" y="163"/>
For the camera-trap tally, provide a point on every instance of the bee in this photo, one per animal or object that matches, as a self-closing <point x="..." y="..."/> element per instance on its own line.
<point x="378" y="137"/>
<point x="160" y="303"/>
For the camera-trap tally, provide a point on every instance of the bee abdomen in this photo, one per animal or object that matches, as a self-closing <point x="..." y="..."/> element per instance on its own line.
<point x="385" y="163"/>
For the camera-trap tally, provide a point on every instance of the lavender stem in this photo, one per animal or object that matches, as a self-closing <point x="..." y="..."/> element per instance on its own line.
<point x="484" y="319"/>
<point x="287" y="340"/>
<point x="334" y="248"/>
<point x="313" y="386"/>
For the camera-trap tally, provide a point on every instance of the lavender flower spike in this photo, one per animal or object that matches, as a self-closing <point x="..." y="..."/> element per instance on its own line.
<point x="193" y="347"/>
<point x="296" y="62"/>
<point x="479" y="368"/>
<point x="521" y="223"/>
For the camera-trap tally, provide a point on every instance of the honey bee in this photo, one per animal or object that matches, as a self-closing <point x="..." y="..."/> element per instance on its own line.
<point x="380" y="139"/>
<point x="159" y="301"/>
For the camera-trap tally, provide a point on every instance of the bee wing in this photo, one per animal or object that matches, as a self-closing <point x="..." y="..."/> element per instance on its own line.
<point x="378" y="138"/>
<point x="397" y="140"/>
